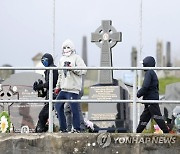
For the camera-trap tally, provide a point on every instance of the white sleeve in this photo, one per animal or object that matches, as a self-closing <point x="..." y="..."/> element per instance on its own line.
<point x="80" y="63"/>
<point x="58" y="84"/>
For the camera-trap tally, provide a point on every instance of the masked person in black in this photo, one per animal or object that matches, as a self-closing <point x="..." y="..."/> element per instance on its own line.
<point x="150" y="91"/>
<point x="47" y="61"/>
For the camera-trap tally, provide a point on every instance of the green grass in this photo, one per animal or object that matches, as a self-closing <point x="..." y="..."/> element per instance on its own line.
<point x="86" y="91"/>
<point x="165" y="81"/>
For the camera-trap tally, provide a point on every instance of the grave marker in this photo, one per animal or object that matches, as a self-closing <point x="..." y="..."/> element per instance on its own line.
<point x="106" y="37"/>
<point x="19" y="87"/>
<point x="108" y="115"/>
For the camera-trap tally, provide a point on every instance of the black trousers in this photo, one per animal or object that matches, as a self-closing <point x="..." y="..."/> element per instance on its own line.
<point x="43" y="117"/>
<point x="151" y="111"/>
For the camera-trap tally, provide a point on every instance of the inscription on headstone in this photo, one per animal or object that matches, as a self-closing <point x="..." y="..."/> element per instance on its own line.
<point x="105" y="93"/>
<point x="104" y="111"/>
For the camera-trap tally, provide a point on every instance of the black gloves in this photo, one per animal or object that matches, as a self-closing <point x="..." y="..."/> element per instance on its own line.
<point x="138" y="95"/>
<point x="35" y="86"/>
<point x="38" y="85"/>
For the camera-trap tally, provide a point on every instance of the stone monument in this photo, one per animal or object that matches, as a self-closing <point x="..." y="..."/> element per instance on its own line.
<point x="168" y="54"/>
<point x="108" y="115"/>
<point x="19" y="87"/>
<point x="106" y="38"/>
<point x="134" y="57"/>
<point x="172" y="92"/>
<point x="84" y="50"/>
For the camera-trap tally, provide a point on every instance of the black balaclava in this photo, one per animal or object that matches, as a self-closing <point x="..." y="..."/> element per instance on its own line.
<point x="47" y="59"/>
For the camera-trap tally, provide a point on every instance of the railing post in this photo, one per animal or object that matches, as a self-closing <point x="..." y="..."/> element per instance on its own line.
<point x="50" y="101"/>
<point x="134" y="100"/>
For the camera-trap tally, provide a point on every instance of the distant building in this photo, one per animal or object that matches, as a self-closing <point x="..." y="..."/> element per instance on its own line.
<point x="37" y="62"/>
<point x="4" y="74"/>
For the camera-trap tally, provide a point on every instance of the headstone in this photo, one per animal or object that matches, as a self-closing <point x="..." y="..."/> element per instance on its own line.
<point x="159" y="54"/>
<point x="84" y="50"/>
<point x="134" y="57"/>
<point x="160" y="59"/>
<point x="106" y="38"/>
<point x="19" y="87"/>
<point x="108" y="115"/>
<point x="168" y="54"/>
<point x="172" y="92"/>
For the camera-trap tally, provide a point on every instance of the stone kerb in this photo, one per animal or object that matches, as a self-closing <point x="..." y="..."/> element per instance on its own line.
<point x="89" y="143"/>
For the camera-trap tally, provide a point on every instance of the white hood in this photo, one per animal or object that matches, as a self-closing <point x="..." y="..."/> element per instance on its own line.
<point x="70" y="44"/>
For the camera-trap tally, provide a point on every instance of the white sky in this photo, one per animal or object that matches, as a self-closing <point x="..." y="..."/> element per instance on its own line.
<point x="26" y="27"/>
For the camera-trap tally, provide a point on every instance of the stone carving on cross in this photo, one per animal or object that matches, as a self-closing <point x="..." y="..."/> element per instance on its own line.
<point x="106" y="37"/>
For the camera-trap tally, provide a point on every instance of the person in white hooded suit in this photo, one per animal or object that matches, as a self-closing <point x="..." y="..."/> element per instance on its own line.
<point x="69" y="85"/>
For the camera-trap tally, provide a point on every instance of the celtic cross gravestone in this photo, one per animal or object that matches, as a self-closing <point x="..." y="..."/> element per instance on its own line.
<point x="109" y="115"/>
<point x="106" y="37"/>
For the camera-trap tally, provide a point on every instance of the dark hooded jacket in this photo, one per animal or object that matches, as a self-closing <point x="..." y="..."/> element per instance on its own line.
<point x="46" y="73"/>
<point x="150" y="86"/>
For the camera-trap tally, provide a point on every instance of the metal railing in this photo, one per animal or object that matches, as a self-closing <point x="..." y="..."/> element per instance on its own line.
<point x="134" y="100"/>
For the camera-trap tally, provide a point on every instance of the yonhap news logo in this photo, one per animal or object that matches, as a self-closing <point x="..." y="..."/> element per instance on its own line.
<point x="145" y="140"/>
<point x="105" y="139"/>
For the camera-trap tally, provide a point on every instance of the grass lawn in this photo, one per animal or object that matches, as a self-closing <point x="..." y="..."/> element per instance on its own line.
<point x="165" y="81"/>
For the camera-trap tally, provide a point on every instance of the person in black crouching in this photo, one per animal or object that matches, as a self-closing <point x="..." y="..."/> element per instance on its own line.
<point x="150" y="91"/>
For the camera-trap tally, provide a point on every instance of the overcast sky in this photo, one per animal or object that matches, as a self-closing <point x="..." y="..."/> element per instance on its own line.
<point x="26" y="27"/>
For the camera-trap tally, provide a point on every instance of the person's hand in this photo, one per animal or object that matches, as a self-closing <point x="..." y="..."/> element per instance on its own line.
<point x="40" y="87"/>
<point x="35" y="85"/>
<point x="57" y="90"/>
<point x="138" y="95"/>
<point x="67" y="64"/>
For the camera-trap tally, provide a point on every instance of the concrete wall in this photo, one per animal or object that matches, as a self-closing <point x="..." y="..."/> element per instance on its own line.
<point x="101" y="143"/>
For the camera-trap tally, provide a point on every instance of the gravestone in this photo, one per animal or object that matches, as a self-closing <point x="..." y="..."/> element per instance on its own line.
<point x="84" y="50"/>
<point x="19" y="87"/>
<point x="168" y="54"/>
<point x="172" y="92"/>
<point x="108" y="115"/>
<point x="106" y="37"/>
<point x="134" y="57"/>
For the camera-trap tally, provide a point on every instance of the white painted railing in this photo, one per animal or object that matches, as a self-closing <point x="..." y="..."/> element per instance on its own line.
<point x="134" y="100"/>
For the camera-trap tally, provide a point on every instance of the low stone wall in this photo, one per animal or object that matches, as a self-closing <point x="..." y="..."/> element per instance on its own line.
<point x="87" y="143"/>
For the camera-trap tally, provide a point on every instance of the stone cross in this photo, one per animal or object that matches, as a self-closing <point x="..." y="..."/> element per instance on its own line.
<point x="106" y="37"/>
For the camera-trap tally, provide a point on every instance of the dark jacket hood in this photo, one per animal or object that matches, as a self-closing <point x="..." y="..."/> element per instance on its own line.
<point x="50" y="58"/>
<point x="149" y="62"/>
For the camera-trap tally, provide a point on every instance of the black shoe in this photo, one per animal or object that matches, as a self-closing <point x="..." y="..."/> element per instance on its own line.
<point x="41" y="129"/>
<point x="74" y="131"/>
<point x="63" y="131"/>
